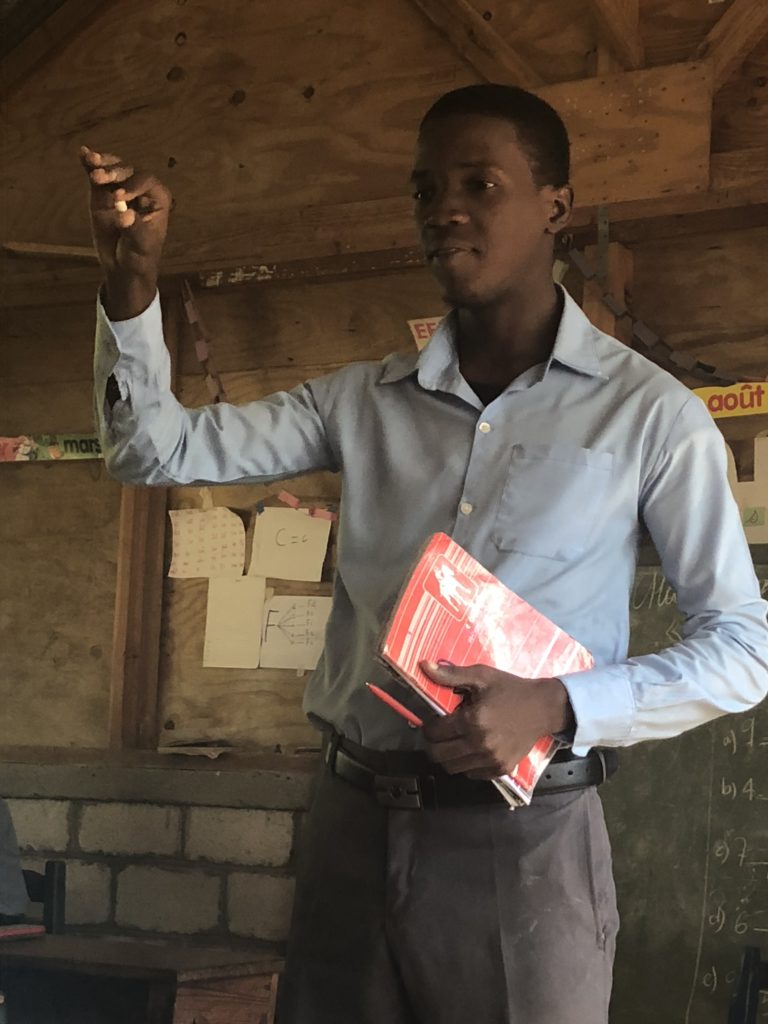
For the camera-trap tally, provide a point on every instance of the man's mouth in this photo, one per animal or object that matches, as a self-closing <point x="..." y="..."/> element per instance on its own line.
<point x="447" y="252"/>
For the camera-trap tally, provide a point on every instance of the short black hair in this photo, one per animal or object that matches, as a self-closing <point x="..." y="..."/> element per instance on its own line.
<point x="539" y="127"/>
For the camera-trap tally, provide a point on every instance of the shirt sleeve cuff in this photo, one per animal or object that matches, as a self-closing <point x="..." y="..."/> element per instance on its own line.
<point x="603" y="706"/>
<point x="138" y="327"/>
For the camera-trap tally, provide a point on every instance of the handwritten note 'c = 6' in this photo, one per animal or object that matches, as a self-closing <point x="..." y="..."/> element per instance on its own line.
<point x="288" y="544"/>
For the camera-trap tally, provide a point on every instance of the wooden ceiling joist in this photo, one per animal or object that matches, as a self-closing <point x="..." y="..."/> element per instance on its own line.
<point x="733" y="38"/>
<point x="618" y="26"/>
<point x="479" y="44"/>
<point x="49" y="37"/>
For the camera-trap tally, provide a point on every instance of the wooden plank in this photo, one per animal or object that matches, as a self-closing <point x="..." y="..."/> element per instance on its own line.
<point x="138" y="604"/>
<point x="740" y="108"/>
<point x="53" y="35"/>
<point x="706" y="297"/>
<point x="478" y="43"/>
<point x="70" y="253"/>
<point x="298" y="326"/>
<point x="740" y="29"/>
<point x="618" y="285"/>
<point x="618" y="26"/>
<point x="226" y="1001"/>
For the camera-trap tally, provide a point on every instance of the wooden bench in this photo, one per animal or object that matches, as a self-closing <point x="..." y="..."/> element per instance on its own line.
<point x="51" y="978"/>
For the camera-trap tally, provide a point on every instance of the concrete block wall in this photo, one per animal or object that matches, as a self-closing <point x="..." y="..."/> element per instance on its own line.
<point x="162" y="869"/>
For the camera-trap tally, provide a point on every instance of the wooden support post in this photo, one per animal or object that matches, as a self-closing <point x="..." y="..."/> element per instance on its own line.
<point x="618" y="284"/>
<point x="138" y="606"/>
<point x="139" y="602"/>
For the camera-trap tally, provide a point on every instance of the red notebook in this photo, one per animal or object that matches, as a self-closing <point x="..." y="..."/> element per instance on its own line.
<point x="452" y="608"/>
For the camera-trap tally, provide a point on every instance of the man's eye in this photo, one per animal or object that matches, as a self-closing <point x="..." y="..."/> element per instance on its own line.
<point x="483" y="185"/>
<point x="421" y="194"/>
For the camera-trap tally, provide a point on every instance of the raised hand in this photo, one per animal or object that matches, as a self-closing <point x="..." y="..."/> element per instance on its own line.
<point x="129" y="221"/>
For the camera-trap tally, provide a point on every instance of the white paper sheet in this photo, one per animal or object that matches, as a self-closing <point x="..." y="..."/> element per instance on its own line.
<point x="752" y="495"/>
<point x="233" y="622"/>
<point x="289" y="545"/>
<point x="210" y="543"/>
<point x="294" y="631"/>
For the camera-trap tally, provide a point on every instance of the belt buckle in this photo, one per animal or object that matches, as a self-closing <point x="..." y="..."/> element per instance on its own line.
<point x="398" y="791"/>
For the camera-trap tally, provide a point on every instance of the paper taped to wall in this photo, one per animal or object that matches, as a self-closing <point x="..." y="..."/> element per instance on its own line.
<point x="288" y="544"/>
<point x="233" y="622"/>
<point x="210" y="543"/>
<point x="294" y="631"/>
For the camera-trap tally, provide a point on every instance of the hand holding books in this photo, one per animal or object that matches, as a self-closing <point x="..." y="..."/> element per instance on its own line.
<point x="498" y="722"/>
<point x="452" y="610"/>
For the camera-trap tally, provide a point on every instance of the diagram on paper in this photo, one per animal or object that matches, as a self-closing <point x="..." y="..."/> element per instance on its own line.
<point x="293" y="631"/>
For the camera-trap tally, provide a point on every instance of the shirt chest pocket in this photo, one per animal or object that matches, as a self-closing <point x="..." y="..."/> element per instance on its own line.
<point x="553" y="500"/>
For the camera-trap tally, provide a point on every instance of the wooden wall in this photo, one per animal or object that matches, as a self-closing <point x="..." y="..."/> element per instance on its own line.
<point x="58" y="541"/>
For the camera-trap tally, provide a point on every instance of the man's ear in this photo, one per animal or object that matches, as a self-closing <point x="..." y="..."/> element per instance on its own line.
<point x="561" y="208"/>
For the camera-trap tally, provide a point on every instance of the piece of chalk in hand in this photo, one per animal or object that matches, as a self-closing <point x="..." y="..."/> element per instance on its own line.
<point x="121" y="206"/>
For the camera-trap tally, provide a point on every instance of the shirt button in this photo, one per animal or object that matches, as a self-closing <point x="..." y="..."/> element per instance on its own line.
<point x="484" y="428"/>
<point x="465" y="507"/>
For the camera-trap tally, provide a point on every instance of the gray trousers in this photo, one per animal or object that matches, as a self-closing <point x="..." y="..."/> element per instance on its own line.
<point x="475" y="915"/>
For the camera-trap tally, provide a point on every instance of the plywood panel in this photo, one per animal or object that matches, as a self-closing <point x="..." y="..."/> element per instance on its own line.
<point x="58" y="534"/>
<point x="707" y="296"/>
<point x="325" y="324"/>
<point x="253" y="110"/>
<point x="48" y="344"/>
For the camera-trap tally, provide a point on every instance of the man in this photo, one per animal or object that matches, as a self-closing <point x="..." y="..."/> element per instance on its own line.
<point x="541" y="445"/>
<point x="13" y="892"/>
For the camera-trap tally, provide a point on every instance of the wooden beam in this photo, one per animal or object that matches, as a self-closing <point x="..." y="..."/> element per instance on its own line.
<point x="733" y="37"/>
<point x="735" y="201"/>
<point x="618" y="284"/>
<point x="618" y="26"/>
<point x="40" y="250"/>
<point x="46" y="40"/>
<point x="480" y="45"/>
<point x="138" y="604"/>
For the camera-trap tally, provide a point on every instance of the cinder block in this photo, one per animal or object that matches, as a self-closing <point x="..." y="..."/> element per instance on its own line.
<point x="41" y="824"/>
<point x="259" y="905"/>
<point x="239" y="837"/>
<point x="88" y="893"/>
<point x="162" y="900"/>
<point x="130" y="829"/>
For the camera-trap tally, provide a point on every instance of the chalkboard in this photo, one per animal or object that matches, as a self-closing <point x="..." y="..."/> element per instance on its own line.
<point x="688" y="819"/>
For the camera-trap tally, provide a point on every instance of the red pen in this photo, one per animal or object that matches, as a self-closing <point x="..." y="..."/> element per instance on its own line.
<point x="401" y="709"/>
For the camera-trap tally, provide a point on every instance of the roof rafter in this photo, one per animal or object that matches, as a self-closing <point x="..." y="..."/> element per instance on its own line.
<point x="733" y="38"/>
<point x="48" y="38"/>
<point x="618" y="25"/>
<point x="480" y="45"/>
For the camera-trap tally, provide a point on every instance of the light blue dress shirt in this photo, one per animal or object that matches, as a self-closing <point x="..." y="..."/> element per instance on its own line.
<point x="547" y="487"/>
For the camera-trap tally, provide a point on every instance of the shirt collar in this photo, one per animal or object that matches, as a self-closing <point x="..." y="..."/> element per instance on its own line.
<point x="437" y="363"/>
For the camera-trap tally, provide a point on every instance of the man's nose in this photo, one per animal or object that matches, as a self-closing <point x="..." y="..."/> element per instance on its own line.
<point x="444" y="209"/>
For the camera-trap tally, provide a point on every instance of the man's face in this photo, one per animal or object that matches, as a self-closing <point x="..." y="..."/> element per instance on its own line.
<point x="485" y="225"/>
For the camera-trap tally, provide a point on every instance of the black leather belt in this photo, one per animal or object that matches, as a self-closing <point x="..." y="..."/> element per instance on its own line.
<point x="412" y="782"/>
